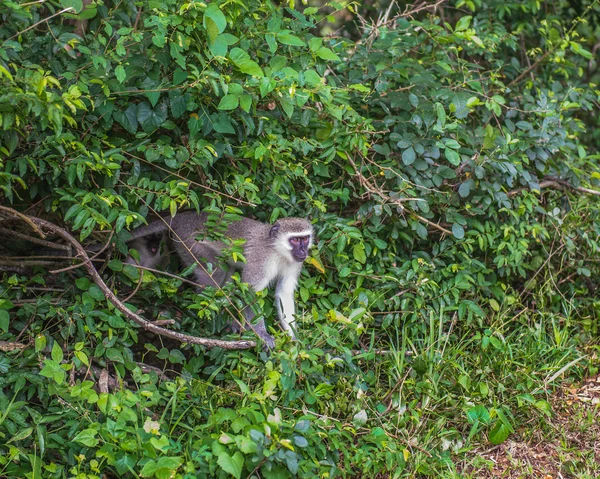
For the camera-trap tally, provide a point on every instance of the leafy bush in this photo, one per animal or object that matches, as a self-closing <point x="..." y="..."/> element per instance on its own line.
<point x="448" y="160"/>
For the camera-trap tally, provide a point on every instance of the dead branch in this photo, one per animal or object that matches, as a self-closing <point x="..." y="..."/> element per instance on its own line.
<point x="559" y="184"/>
<point x="24" y="218"/>
<point x="34" y="240"/>
<point x="39" y="223"/>
<point x="8" y="346"/>
<point x="410" y="13"/>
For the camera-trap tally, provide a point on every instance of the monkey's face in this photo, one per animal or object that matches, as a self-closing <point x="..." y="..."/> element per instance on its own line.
<point x="300" y="245"/>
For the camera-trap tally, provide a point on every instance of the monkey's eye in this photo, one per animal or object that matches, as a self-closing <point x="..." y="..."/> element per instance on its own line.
<point x="294" y="240"/>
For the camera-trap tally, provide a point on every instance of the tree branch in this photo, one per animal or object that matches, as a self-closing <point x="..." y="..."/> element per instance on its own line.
<point x="559" y="184"/>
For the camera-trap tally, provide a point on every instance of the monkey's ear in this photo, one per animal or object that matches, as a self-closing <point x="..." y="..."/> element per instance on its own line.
<point x="274" y="230"/>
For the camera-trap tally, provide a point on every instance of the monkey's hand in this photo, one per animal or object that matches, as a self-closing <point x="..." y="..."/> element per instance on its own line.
<point x="262" y="333"/>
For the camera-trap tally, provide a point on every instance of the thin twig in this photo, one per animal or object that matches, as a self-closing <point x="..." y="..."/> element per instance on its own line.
<point x="75" y="266"/>
<point x="419" y="9"/>
<point x="41" y="21"/>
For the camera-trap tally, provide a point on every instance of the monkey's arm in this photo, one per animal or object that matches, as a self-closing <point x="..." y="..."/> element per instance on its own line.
<point x="158" y="226"/>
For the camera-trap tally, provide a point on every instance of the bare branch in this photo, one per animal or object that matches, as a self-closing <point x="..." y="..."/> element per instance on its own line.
<point x="24" y="218"/>
<point x="559" y="184"/>
<point x="34" y="240"/>
<point x="7" y="346"/>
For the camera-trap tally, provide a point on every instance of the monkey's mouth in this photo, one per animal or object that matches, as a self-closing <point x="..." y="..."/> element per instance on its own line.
<point x="300" y="257"/>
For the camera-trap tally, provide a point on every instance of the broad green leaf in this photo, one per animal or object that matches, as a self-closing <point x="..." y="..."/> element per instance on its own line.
<point x="128" y="118"/>
<point x="231" y="464"/>
<point x="287" y="105"/>
<point x="452" y="156"/>
<point x="57" y="354"/>
<point x="87" y="437"/>
<point x="463" y="23"/>
<point x="409" y="156"/>
<point x="76" y="5"/>
<point x="216" y="15"/>
<point x="221" y="44"/>
<point x="465" y="188"/>
<point x="223" y="124"/>
<point x="229" y="102"/>
<point x="151" y="118"/>
<point x="289" y="39"/>
<point x="246" y="102"/>
<point x="478" y="414"/>
<point x="243" y="62"/>
<point x="499" y="433"/>
<point x="458" y="231"/>
<point x="4" y="320"/>
<point x="326" y="54"/>
<point x="120" y="73"/>
<point x="359" y="87"/>
<point x="358" y="252"/>
<point x="20" y="435"/>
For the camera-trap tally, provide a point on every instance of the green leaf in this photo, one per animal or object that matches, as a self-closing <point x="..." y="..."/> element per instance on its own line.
<point x="452" y="156"/>
<point x="499" y="433"/>
<point x="478" y="414"/>
<point x="229" y="102"/>
<point x="159" y="39"/>
<point x="120" y="73"/>
<point x="246" y="102"/>
<point x="4" y="320"/>
<point x="216" y="15"/>
<point x="22" y="434"/>
<point x="82" y="357"/>
<point x="151" y="118"/>
<point x="128" y="118"/>
<point x="360" y="88"/>
<point x="76" y="5"/>
<point x="243" y="62"/>
<point x="458" y="231"/>
<point x="231" y="464"/>
<point x="327" y="54"/>
<point x="287" y="105"/>
<point x="221" y="44"/>
<point x="57" y="354"/>
<point x="463" y="23"/>
<point x="358" y="252"/>
<point x="288" y="39"/>
<point x="465" y="188"/>
<point x="223" y="124"/>
<point x="87" y="437"/>
<point x="441" y="114"/>
<point x="409" y="156"/>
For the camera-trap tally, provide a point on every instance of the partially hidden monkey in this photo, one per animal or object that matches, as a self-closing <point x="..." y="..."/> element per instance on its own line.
<point x="274" y="255"/>
<point x="151" y="250"/>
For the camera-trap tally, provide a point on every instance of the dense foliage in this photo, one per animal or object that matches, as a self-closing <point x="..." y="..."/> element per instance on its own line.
<point x="448" y="159"/>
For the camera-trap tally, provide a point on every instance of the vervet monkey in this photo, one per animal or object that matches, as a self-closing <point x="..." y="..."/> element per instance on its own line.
<point x="274" y="254"/>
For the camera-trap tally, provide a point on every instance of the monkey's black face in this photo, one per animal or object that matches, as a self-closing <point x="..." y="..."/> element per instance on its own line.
<point x="300" y="246"/>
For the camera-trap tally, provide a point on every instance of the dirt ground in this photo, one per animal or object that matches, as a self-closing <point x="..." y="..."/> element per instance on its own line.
<point x="568" y="448"/>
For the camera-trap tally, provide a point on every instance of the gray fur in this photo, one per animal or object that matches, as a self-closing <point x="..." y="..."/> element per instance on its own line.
<point x="266" y="249"/>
